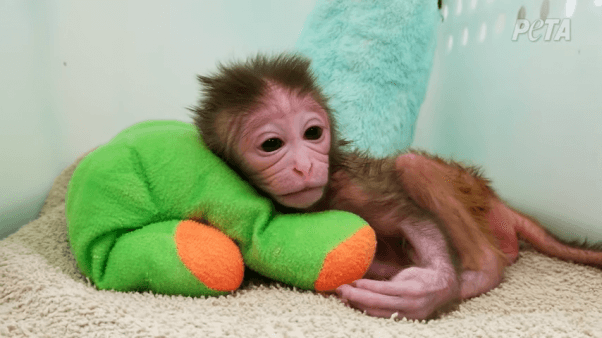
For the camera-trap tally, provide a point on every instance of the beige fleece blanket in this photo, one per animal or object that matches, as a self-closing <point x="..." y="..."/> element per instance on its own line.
<point x="42" y="294"/>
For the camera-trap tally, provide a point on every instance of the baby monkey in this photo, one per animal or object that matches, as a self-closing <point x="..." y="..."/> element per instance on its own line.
<point x="443" y="234"/>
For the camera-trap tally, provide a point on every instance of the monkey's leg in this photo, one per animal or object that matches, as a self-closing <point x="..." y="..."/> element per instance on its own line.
<point x="476" y="282"/>
<point x="509" y="223"/>
<point x="502" y="226"/>
<point x="421" y="171"/>
<point x="416" y="292"/>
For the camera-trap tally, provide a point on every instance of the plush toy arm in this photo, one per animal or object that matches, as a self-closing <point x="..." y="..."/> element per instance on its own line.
<point x="319" y="251"/>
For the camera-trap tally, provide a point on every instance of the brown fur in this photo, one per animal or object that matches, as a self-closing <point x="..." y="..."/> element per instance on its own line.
<point x="461" y="199"/>
<point x="239" y="88"/>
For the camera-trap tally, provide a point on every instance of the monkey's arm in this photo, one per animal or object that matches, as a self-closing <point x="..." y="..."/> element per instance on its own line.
<point x="463" y="201"/>
<point x="416" y="292"/>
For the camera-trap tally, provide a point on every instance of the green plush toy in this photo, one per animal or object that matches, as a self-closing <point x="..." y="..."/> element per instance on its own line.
<point x="155" y="210"/>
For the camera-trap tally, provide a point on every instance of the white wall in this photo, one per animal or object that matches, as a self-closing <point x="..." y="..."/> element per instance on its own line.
<point x="31" y="134"/>
<point x="74" y="73"/>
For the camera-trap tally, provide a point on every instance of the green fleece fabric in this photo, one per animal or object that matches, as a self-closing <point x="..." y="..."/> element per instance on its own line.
<point x="127" y="198"/>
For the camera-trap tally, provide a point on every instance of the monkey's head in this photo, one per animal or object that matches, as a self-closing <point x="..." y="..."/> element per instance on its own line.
<point x="268" y="119"/>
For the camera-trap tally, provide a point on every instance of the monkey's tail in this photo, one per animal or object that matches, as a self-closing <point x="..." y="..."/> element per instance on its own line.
<point x="531" y="231"/>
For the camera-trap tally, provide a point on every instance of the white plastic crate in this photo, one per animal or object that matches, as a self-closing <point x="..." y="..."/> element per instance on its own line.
<point x="530" y="112"/>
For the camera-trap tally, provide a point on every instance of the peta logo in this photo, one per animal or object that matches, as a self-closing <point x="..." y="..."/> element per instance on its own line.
<point x="562" y="29"/>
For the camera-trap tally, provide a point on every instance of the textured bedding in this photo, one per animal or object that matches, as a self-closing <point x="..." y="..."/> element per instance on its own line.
<point x="42" y="294"/>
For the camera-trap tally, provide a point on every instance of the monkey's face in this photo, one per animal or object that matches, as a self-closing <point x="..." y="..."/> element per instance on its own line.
<point x="284" y="147"/>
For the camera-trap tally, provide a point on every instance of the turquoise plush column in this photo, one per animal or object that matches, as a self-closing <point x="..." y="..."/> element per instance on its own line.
<point x="374" y="59"/>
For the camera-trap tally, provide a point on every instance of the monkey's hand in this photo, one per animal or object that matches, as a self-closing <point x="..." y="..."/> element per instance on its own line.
<point x="414" y="293"/>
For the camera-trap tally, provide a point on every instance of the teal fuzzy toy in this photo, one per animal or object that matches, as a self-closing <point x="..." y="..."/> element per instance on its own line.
<point x="373" y="58"/>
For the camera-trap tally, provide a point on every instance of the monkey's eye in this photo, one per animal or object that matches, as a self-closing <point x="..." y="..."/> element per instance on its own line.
<point x="313" y="133"/>
<point x="272" y="144"/>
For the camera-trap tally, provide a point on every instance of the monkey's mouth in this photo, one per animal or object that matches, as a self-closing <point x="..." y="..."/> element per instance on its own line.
<point x="301" y="191"/>
<point x="302" y="198"/>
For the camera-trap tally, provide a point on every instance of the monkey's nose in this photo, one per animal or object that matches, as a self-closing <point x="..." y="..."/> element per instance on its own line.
<point x="303" y="172"/>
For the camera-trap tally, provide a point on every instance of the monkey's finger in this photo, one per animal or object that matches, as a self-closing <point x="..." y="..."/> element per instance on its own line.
<point x="408" y="288"/>
<point x="380" y="305"/>
<point x="367" y="300"/>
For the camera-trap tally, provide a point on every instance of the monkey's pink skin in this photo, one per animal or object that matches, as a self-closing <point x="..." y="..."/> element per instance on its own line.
<point x="303" y="198"/>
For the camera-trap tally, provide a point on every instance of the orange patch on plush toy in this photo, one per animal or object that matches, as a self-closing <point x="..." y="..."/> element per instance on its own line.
<point x="347" y="262"/>
<point x="210" y="255"/>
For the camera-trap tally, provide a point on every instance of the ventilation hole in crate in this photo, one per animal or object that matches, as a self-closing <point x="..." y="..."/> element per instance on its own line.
<point x="483" y="32"/>
<point x="450" y="43"/>
<point x="445" y="11"/>
<point x="464" y="36"/>
<point x="458" y="7"/>
<point x="545" y="9"/>
<point x="570" y="7"/>
<point x="522" y="13"/>
<point x="473" y="4"/>
<point x="500" y="23"/>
